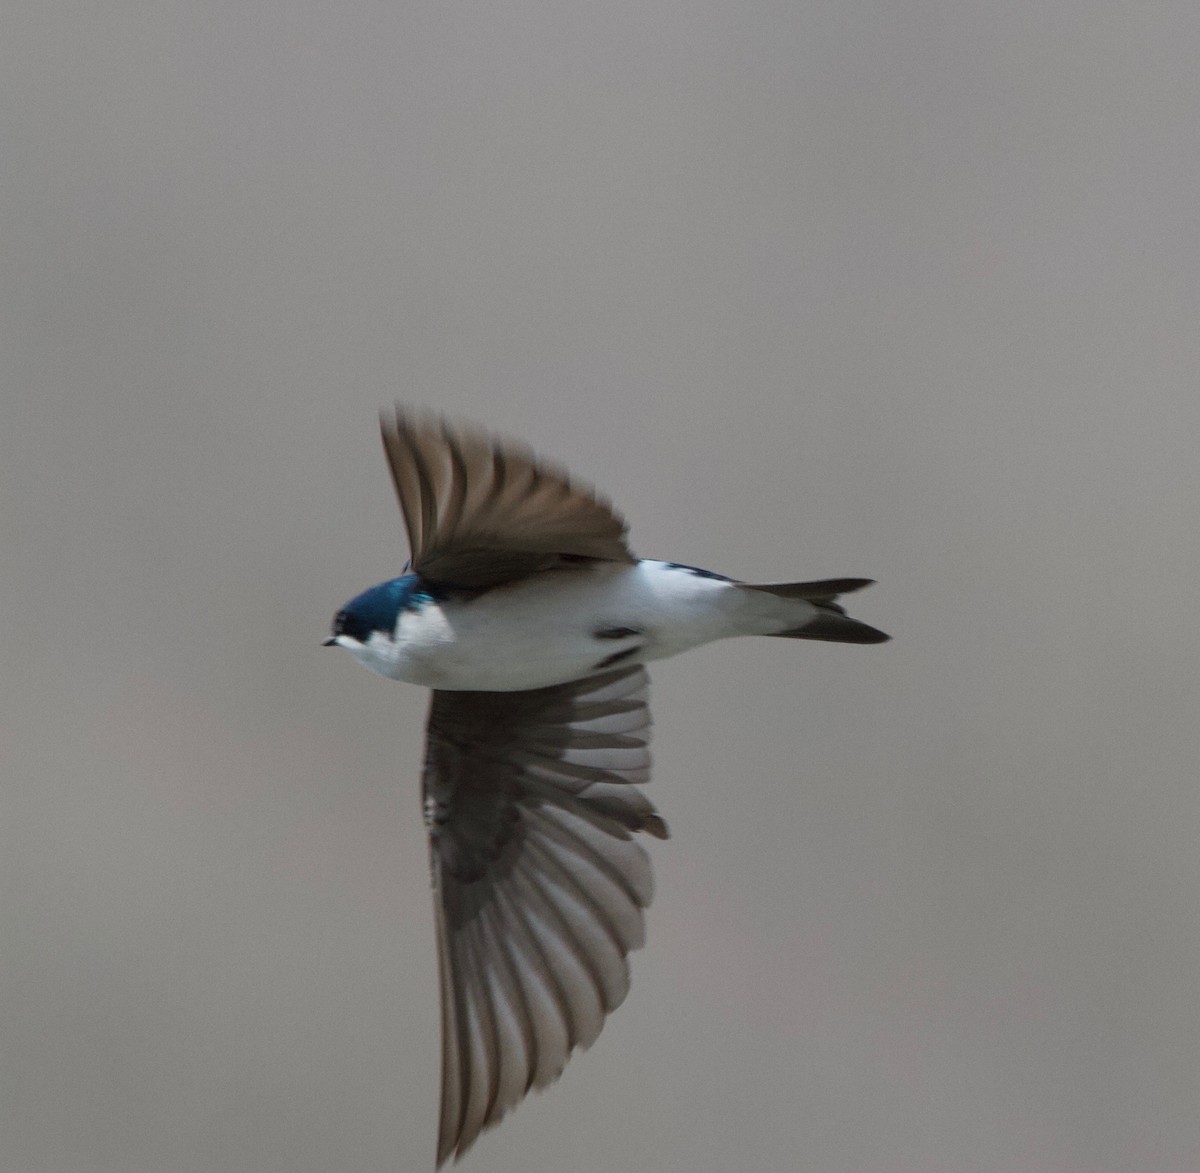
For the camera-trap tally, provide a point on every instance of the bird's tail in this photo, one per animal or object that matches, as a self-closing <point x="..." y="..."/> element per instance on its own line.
<point x="830" y="621"/>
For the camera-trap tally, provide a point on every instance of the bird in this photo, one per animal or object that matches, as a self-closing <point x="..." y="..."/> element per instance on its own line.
<point x="525" y="612"/>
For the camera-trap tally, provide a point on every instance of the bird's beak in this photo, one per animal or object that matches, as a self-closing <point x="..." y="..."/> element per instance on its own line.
<point x="329" y="643"/>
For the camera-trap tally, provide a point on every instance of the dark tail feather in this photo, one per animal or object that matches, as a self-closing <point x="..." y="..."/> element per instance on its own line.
<point x="824" y="591"/>
<point x="831" y="622"/>
<point x="838" y="629"/>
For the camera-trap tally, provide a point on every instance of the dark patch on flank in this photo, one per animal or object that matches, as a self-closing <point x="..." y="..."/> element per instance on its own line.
<point x="616" y="658"/>
<point x="614" y="632"/>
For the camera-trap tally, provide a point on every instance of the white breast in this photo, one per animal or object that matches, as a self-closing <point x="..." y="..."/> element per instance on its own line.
<point x="544" y="630"/>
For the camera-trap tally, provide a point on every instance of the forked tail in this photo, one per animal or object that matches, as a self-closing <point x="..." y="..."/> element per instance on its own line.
<point x="831" y="622"/>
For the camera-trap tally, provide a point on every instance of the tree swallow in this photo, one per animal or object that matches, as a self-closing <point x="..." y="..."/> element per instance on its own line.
<point x="524" y="610"/>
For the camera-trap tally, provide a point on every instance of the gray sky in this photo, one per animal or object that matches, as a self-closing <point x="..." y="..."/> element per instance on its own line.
<point x="899" y="290"/>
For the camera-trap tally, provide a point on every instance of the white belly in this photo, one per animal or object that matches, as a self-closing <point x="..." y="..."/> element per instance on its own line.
<point x="563" y="625"/>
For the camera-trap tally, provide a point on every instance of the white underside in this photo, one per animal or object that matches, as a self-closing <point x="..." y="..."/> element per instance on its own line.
<point x="541" y="630"/>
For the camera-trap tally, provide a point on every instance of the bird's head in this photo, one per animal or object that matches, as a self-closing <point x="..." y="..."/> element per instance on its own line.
<point x="367" y="625"/>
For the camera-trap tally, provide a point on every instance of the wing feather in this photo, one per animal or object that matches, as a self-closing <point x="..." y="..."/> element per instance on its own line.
<point x="480" y="510"/>
<point x="539" y="881"/>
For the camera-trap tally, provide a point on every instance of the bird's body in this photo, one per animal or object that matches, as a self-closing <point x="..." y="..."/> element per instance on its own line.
<point x="565" y="623"/>
<point x="531" y="620"/>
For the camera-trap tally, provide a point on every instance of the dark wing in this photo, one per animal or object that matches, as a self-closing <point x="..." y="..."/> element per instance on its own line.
<point x="481" y="511"/>
<point x="539" y="885"/>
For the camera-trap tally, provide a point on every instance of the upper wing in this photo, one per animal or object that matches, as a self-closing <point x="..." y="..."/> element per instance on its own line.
<point x="480" y="511"/>
<point x="539" y="885"/>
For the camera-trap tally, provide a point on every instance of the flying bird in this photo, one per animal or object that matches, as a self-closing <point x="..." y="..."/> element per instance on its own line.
<point x="526" y="613"/>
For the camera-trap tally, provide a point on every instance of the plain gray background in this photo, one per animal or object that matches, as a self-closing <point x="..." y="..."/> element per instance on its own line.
<point x="906" y="290"/>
